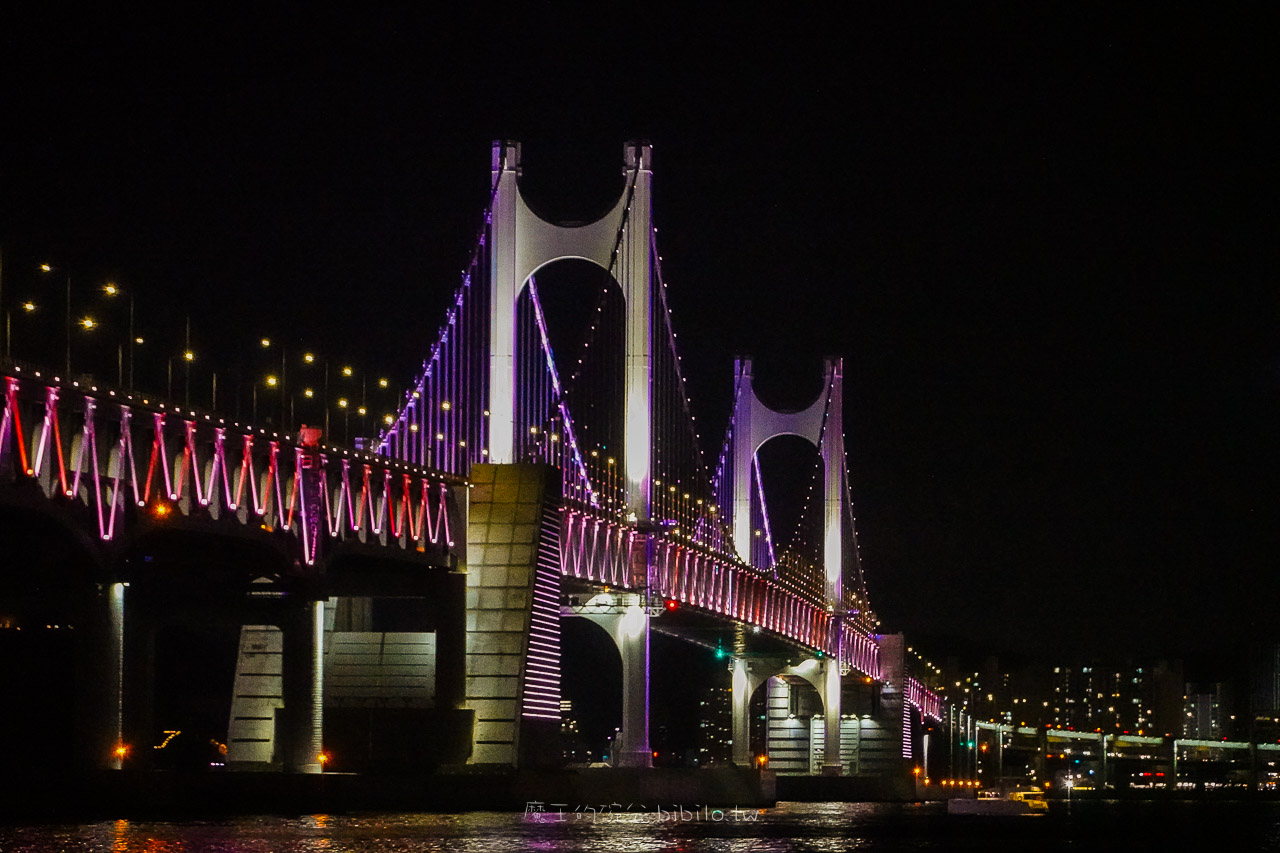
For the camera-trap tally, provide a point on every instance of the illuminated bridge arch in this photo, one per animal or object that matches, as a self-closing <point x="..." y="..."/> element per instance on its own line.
<point x="519" y="243"/>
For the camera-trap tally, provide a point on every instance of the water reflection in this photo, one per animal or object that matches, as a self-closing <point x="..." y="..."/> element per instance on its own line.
<point x="790" y="826"/>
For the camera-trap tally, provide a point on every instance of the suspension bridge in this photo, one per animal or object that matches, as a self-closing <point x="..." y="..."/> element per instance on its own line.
<point x="534" y="473"/>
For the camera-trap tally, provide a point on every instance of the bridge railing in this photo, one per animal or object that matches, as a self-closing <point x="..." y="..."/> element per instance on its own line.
<point x="122" y="457"/>
<point x="600" y="550"/>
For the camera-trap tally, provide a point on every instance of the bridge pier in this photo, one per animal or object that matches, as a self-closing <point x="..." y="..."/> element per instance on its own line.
<point x="831" y="763"/>
<point x="743" y="686"/>
<point x="823" y="675"/>
<point x="139" y="687"/>
<point x="112" y="661"/>
<point x="303" y="686"/>
<point x="626" y="620"/>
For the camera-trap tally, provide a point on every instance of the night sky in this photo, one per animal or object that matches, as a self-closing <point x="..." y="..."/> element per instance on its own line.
<point x="1042" y="238"/>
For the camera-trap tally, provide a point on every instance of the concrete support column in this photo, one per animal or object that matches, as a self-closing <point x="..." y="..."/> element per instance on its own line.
<point x="115" y="675"/>
<point x="138" y="676"/>
<point x="831" y="763"/>
<point x="741" y="697"/>
<point x="628" y="624"/>
<point x="632" y="636"/>
<point x="304" y="688"/>
<point x="97" y="670"/>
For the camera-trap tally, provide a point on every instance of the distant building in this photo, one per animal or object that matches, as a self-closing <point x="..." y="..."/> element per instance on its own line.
<point x="1202" y="712"/>
<point x="1117" y="698"/>
<point x="715" y="726"/>
<point x="1264" y="692"/>
<point x="573" y="747"/>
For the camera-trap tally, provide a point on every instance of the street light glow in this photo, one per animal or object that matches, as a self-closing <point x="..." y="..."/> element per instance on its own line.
<point x="347" y="371"/>
<point x="88" y="322"/>
<point x="273" y="381"/>
<point x="189" y="355"/>
<point x="110" y="289"/>
<point x="28" y="307"/>
<point x="266" y="342"/>
<point x="308" y="357"/>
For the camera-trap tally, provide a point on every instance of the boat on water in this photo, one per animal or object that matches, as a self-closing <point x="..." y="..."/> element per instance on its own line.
<point x="1023" y="801"/>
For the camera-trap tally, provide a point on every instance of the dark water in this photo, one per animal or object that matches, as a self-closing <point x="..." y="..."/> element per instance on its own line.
<point x="790" y="826"/>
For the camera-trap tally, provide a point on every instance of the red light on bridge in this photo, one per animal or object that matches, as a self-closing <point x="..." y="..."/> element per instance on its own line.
<point x="671" y="604"/>
<point x="160" y="510"/>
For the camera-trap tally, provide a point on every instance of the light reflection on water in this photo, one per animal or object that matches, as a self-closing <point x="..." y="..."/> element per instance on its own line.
<point x="790" y="826"/>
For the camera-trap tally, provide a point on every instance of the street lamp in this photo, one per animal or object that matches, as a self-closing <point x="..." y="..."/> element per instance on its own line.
<point x="47" y="268"/>
<point x="27" y="307"/>
<point x="113" y="290"/>
<point x="274" y="381"/>
<point x="344" y="404"/>
<point x="312" y="358"/>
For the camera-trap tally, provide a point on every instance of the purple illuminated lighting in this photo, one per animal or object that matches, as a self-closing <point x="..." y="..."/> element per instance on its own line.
<point x="410" y="503"/>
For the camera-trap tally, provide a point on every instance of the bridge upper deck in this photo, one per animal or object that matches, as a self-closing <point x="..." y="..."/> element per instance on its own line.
<point x="123" y="456"/>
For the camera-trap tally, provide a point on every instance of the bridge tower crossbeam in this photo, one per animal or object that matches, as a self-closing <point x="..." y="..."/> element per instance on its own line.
<point x="519" y="244"/>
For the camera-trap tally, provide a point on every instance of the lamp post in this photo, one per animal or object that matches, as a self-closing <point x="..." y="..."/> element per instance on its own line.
<point x="310" y="358"/>
<point x="27" y="308"/>
<point x="113" y="290"/>
<point x="345" y="404"/>
<point x="274" y="381"/>
<point x="48" y="268"/>
<point x="187" y="357"/>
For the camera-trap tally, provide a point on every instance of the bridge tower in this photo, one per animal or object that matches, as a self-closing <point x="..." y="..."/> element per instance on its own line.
<point x="519" y="244"/>
<point x="754" y="423"/>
